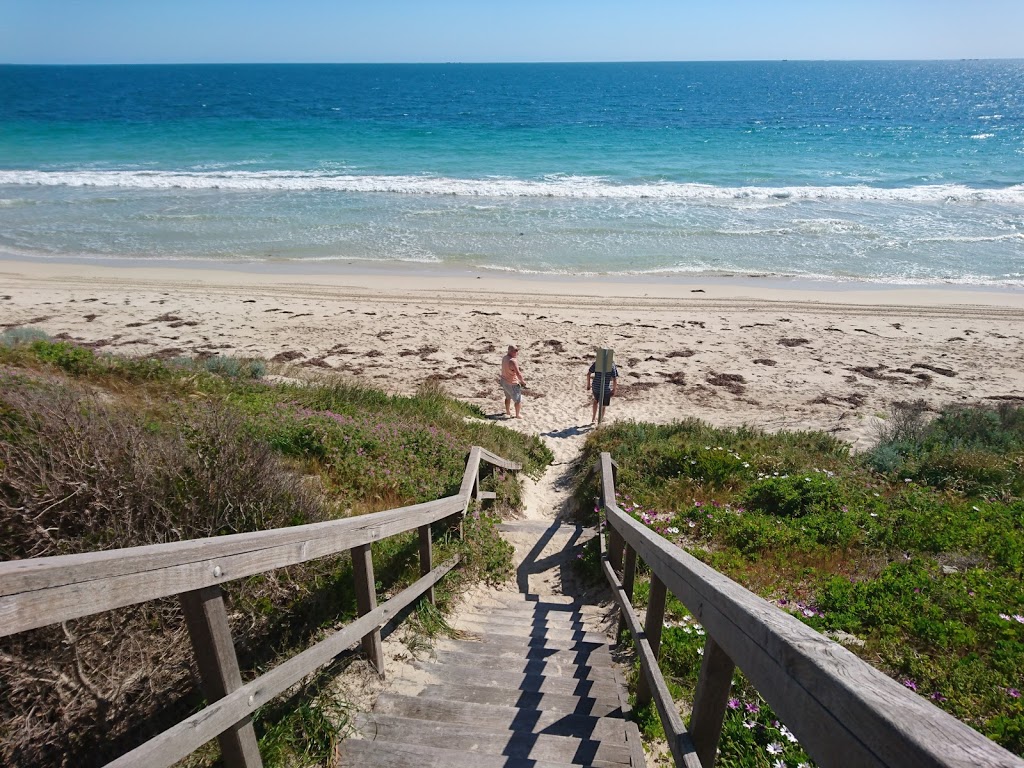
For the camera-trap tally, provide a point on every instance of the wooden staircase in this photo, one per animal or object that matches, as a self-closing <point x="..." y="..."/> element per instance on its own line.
<point x="532" y="686"/>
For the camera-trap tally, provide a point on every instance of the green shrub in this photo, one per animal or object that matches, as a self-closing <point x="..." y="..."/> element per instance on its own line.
<point x="487" y="556"/>
<point x="969" y="471"/>
<point x="793" y="495"/>
<point x="235" y="367"/>
<point x="18" y="337"/>
<point x="75" y="360"/>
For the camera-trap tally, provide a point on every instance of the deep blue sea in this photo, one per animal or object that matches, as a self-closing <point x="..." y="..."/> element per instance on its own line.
<point x="897" y="172"/>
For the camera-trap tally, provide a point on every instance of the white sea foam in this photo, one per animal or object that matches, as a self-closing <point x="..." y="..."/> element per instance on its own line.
<point x="557" y="186"/>
<point x="972" y="239"/>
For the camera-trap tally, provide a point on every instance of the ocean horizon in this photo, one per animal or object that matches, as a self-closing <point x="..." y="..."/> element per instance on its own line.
<point x="903" y="172"/>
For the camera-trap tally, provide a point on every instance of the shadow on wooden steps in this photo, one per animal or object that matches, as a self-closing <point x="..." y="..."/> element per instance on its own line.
<point x="534" y="687"/>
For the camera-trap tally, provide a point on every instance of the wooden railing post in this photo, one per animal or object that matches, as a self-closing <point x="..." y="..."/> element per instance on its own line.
<point x="207" y="622"/>
<point x="426" y="558"/>
<point x="366" y="601"/>
<point x="615" y="541"/>
<point x="652" y="630"/>
<point x="628" y="577"/>
<point x="615" y="548"/>
<point x="710" y="701"/>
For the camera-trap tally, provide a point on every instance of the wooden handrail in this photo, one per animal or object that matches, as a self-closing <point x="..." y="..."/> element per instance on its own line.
<point x="36" y="592"/>
<point x="191" y="733"/>
<point x="844" y="711"/>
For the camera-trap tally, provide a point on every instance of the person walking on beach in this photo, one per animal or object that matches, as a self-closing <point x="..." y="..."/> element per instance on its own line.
<point x="511" y="380"/>
<point x="603" y="386"/>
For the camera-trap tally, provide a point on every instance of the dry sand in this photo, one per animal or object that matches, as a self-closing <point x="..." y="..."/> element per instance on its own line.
<point x="776" y="355"/>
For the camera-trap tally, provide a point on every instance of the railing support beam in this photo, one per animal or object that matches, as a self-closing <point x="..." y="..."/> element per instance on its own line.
<point x="653" y="623"/>
<point x="427" y="558"/>
<point x="628" y="577"/>
<point x="207" y="620"/>
<point x="366" y="601"/>
<point x="710" y="701"/>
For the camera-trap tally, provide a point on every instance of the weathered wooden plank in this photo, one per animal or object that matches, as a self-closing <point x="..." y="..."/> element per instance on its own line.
<point x="554" y="620"/>
<point x="680" y="745"/>
<point x="486" y="495"/>
<point x="360" y="753"/>
<point x="47" y="590"/>
<point x="590" y="655"/>
<point x="38" y="573"/>
<point x="653" y="623"/>
<point x="512" y="642"/>
<point x="426" y="557"/>
<point x="184" y="738"/>
<point x="498" y="461"/>
<point x="710" y="701"/>
<point x="472" y="738"/>
<point x="207" y="622"/>
<point x="593" y="616"/>
<point x="611" y="729"/>
<point x="522" y="683"/>
<point x="615" y="542"/>
<point x="470" y="477"/>
<point x="638" y="758"/>
<point x="835" y="703"/>
<point x="519" y="598"/>
<point x="628" y="578"/>
<point x="525" y="700"/>
<point x="366" y="601"/>
<point x="532" y="607"/>
<point x="529" y="632"/>
<point x="551" y="666"/>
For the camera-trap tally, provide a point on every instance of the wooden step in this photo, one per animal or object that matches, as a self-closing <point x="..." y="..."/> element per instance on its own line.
<point x="471" y="738"/>
<point x="554" y="621"/>
<point x="519" y="598"/>
<point x="531" y="613"/>
<point x="518" y="601"/>
<point x="359" y="753"/>
<point x="497" y="654"/>
<point x="488" y="628"/>
<point x="611" y="729"/>
<point x="503" y="642"/>
<point x="511" y="697"/>
<point x="551" y="666"/>
<point x="444" y="673"/>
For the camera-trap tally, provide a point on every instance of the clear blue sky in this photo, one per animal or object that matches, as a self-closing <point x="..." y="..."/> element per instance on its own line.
<point x="162" y="31"/>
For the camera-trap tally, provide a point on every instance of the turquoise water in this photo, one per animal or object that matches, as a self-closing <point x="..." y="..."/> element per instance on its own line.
<point x="901" y="172"/>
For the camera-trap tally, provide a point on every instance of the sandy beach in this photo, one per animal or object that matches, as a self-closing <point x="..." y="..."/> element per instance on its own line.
<point x="775" y="354"/>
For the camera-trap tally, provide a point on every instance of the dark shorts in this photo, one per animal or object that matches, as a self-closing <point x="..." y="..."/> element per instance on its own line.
<point x="607" y="397"/>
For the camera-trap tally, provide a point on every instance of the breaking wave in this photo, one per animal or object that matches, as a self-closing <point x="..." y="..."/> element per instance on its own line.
<point x="555" y="186"/>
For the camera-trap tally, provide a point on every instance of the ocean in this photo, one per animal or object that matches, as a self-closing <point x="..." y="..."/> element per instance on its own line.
<point x="888" y="172"/>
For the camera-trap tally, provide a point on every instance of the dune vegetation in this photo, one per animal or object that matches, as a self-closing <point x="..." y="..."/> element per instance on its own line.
<point x="912" y="554"/>
<point x="100" y="452"/>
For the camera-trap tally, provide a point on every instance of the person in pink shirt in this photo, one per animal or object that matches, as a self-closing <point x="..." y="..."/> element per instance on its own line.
<point x="511" y="381"/>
